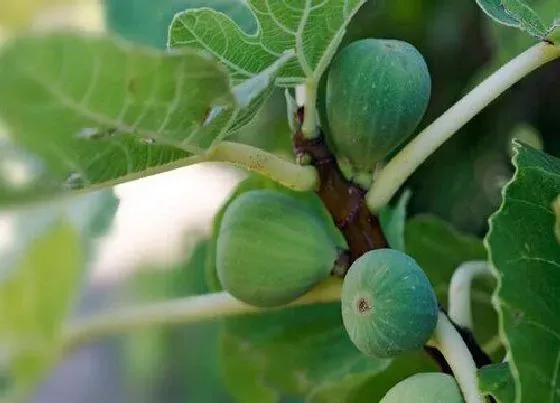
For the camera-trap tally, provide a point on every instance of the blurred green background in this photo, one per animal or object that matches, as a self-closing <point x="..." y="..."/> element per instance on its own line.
<point x="460" y="183"/>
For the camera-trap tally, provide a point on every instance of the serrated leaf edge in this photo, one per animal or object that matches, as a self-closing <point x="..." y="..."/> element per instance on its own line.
<point x="496" y="301"/>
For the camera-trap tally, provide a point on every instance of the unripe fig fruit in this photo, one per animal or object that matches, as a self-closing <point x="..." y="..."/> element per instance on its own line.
<point x="272" y="248"/>
<point x="429" y="387"/>
<point x="388" y="304"/>
<point x="377" y="92"/>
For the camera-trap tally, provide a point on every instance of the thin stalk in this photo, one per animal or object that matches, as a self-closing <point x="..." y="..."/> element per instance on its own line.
<point x="309" y="124"/>
<point x="181" y="311"/>
<point x="460" y="291"/>
<point x="395" y="173"/>
<point x="449" y="342"/>
<point x="289" y="174"/>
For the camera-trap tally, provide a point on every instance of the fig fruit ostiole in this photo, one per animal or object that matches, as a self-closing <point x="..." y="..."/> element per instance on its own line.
<point x="272" y="248"/>
<point x="388" y="304"/>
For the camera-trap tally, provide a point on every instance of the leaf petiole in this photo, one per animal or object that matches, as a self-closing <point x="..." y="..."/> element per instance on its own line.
<point x="289" y="174"/>
<point x="309" y="122"/>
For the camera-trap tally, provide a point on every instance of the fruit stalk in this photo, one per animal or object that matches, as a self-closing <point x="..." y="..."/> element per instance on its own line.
<point x="344" y="200"/>
<point x="450" y="343"/>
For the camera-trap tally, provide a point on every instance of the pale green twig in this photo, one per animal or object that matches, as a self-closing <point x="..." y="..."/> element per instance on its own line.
<point x="287" y="173"/>
<point x="309" y="126"/>
<point x="180" y="311"/>
<point x="460" y="291"/>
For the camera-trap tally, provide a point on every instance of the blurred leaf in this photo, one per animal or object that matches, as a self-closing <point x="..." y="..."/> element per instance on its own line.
<point x="244" y="371"/>
<point x="40" y="275"/>
<point x="269" y="130"/>
<point x="496" y="380"/>
<point x="91" y="215"/>
<point x="514" y="13"/>
<point x="439" y="249"/>
<point x="556" y="207"/>
<point x="91" y="124"/>
<point x="174" y="363"/>
<point x="393" y="221"/>
<point x="21" y="13"/>
<point x="147" y="21"/>
<point x="35" y="297"/>
<point x="313" y="30"/>
<point x="293" y="352"/>
<point x="525" y="254"/>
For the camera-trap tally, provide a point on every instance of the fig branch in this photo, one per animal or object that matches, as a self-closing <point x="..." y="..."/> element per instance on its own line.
<point x="395" y="173"/>
<point x="343" y="199"/>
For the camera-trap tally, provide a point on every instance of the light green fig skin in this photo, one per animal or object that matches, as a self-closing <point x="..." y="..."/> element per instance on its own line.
<point x="272" y="248"/>
<point x="377" y="93"/>
<point x="428" y="387"/>
<point x="388" y="304"/>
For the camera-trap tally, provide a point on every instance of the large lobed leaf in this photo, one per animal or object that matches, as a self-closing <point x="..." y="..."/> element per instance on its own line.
<point x="313" y="28"/>
<point x="93" y="111"/>
<point x="525" y="255"/>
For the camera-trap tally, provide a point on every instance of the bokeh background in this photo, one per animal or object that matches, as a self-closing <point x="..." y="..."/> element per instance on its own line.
<point x="156" y="247"/>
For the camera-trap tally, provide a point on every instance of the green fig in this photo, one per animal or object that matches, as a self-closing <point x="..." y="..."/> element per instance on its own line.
<point x="377" y="93"/>
<point x="429" y="387"/>
<point x="272" y="248"/>
<point x="388" y="304"/>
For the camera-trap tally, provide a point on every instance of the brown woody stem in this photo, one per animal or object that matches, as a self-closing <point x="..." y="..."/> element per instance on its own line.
<point x="344" y="200"/>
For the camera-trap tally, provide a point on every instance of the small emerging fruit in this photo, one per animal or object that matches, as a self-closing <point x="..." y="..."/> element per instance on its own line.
<point x="388" y="304"/>
<point x="377" y="92"/>
<point x="429" y="387"/>
<point x="272" y="248"/>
